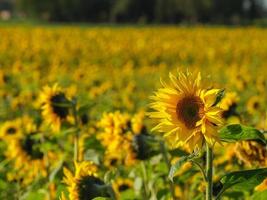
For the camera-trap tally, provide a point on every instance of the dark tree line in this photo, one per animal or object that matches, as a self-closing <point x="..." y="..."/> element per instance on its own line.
<point x="146" y="11"/>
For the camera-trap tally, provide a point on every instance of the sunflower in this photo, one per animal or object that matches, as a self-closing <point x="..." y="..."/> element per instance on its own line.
<point x="137" y="124"/>
<point x="55" y="107"/>
<point x="252" y="153"/>
<point x="84" y="184"/>
<point x="229" y="104"/>
<point x="11" y="129"/>
<point x="186" y="112"/>
<point x="121" y="185"/>
<point x="254" y="104"/>
<point x="28" y="159"/>
<point x="116" y="137"/>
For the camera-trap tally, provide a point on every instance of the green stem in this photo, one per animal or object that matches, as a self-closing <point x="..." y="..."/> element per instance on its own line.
<point x="200" y="168"/>
<point x="218" y="197"/>
<point x="146" y="190"/>
<point x="77" y="134"/>
<point x="209" y="166"/>
<point x="165" y="157"/>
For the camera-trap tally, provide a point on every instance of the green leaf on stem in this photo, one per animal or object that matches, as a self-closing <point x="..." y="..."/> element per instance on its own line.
<point x="238" y="132"/>
<point x="178" y="152"/>
<point x="242" y="180"/>
<point x="179" y="163"/>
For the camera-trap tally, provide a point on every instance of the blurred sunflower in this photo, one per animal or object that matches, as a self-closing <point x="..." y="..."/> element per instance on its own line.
<point x="10" y="129"/>
<point x="252" y="153"/>
<point x="55" y="106"/>
<point x="186" y="112"/>
<point x="137" y="123"/>
<point x="121" y="184"/>
<point x="84" y="184"/>
<point x="25" y="152"/>
<point x="261" y="83"/>
<point x="229" y="105"/>
<point x="254" y="104"/>
<point x="116" y="137"/>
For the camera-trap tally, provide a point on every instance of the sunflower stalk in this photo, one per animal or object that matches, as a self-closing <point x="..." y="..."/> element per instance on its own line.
<point x="167" y="161"/>
<point x="146" y="190"/>
<point x="200" y="168"/>
<point x="77" y="133"/>
<point x="209" y="157"/>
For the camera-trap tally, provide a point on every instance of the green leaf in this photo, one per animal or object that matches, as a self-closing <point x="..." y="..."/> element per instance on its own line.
<point x="161" y="193"/>
<point x="243" y="180"/>
<point x="178" y="152"/>
<point x="128" y="194"/>
<point x="101" y="198"/>
<point x="84" y="108"/>
<point x="219" y="97"/>
<point x="55" y="171"/>
<point x="234" y="195"/>
<point x="179" y="163"/>
<point x="238" y="132"/>
<point x="260" y="195"/>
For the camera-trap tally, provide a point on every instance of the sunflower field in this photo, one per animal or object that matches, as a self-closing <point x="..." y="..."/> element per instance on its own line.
<point x="133" y="113"/>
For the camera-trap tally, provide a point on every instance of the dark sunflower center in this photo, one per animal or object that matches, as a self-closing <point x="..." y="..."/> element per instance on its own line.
<point x="11" y="130"/>
<point x="256" y="105"/>
<point x="230" y="112"/>
<point x="189" y="110"/>
<point x="123" y="187"/>
<point x="58" y="106"/>
<point x="89" y="187"/>
<point x="30" y="146"/>
<point x="113" y="161"/>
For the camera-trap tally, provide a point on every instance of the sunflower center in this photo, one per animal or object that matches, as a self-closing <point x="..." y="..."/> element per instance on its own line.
<point x="30" y="147"/>
<point x="58" y="102"/>
<point x="11" y="130"/>
<point x="189" y="110"/>
<point x="89" y="187"/>
<point x="256" y="105"/>
<point x="123" y="187"/>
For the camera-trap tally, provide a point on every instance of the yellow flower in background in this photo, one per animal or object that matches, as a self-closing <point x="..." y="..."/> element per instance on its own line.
<point x="84" y="182"/>
<point x="186" y="112"/>
<point x="122" y="184"/>
<point x="254" y="104"/>
<point x="230" y="99"/>
<point x="252" y="153"/>
<point x="29" y="162"/>
<point x="137" y="122"/>
<point x="10" y="129"/>
<point x="54" y="106"/>
<point x="229" y="105"/>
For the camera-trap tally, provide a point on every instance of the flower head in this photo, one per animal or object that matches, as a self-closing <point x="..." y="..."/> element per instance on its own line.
<point x="54" y="108"/>
<point x="84" y="183"/>
<point x="186" y="112"/>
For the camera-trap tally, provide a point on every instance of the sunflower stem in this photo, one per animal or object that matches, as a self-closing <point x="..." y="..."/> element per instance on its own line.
<point x="209" y="166"/>
<point x="200" y="168"/>
<point x="166" y="159"/>
<point x="146" y="190"/>
<point x="77" y="133"/>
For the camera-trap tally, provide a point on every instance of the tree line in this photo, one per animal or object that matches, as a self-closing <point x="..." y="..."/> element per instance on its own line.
<point x="143" y="11"/>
